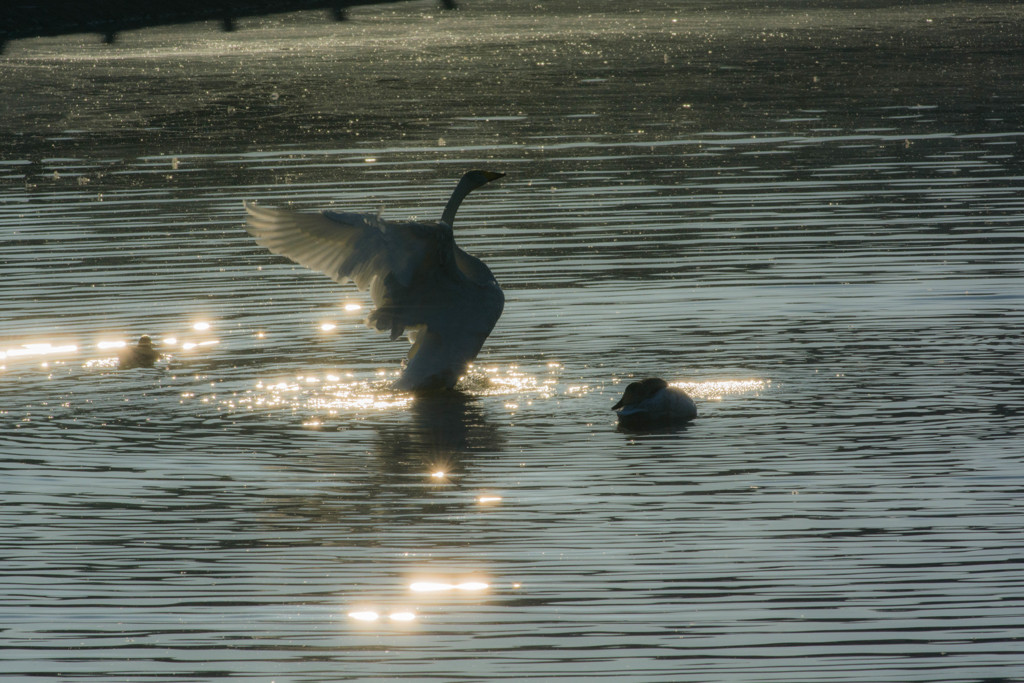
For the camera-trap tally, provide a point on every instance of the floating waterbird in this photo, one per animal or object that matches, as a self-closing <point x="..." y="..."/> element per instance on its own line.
<point x="652" y="403"/>
<point x="421" y="283"/>
<point x="143" y="355"/>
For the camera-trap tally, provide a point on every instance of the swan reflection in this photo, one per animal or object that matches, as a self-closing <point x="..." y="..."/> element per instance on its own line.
<point x="435" y="437"/>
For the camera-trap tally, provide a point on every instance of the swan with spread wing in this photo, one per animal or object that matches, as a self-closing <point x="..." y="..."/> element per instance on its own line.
<point x="421" y="283"/>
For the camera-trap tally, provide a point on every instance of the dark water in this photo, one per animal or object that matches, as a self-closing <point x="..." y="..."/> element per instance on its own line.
<point x="811" y="218"/>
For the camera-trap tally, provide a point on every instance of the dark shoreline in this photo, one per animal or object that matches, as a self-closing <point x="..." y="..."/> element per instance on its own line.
<point x="23" y="19"/>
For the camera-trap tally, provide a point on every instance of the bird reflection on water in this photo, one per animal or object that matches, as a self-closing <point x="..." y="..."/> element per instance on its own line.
<point x="442" y="430"/>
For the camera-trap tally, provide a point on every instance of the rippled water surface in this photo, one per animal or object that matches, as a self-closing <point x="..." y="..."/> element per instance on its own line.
<point x="812" y="219"/>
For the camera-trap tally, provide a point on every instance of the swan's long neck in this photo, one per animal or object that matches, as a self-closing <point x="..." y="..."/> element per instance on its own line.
<point x="465" y="186"/>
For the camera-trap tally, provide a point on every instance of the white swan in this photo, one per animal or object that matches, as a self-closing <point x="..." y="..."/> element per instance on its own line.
<point x="420" y="281"/>
<point x="652" y="403"/>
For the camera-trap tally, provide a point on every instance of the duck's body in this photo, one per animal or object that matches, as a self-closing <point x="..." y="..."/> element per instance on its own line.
<point x="652" y="403"/>
<point x="142" y="355"/>
<point x="421" y="283"/>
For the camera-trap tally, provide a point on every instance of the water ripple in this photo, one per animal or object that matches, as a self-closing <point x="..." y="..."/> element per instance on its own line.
<point x="829" y="266"/>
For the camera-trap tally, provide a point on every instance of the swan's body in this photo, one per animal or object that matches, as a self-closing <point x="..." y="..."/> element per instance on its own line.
<point x="652" y="403"/>
<point x="143" y="355"/>
<point x="421" y="283"/>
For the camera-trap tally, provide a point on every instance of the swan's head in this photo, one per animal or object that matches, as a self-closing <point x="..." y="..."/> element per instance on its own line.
<point x="475" y="179"/>
<point x="469" y="182"/>
<point x="638" y="392"/>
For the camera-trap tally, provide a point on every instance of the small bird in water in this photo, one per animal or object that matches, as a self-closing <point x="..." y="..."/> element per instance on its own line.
<point x="142" y="355"/>
<point x="421" y="283"/>
<point x="652" y="403"/>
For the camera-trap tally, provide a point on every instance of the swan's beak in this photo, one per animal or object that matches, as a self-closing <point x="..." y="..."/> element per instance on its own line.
<point x="492" y="175"/>
<point x="619" y="404"/>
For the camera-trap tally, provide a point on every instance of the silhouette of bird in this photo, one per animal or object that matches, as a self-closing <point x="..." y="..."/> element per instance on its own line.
<point x="652" y="403"/>
<point x="142" y="355"/>
<point x="421" y="283"/>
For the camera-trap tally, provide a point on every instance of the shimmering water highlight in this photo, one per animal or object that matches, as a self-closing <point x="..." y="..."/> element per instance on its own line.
<point x="809" y="219"/>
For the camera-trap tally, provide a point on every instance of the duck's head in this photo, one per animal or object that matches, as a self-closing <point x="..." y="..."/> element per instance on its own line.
<point x="637" y="392"/>
<point x="145" y="341"/>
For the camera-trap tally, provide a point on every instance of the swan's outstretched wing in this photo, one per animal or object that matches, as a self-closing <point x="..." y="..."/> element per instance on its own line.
<point x="415" y="274"/>
<point x="398" y="263"/>
<point x="342" y="246"/>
